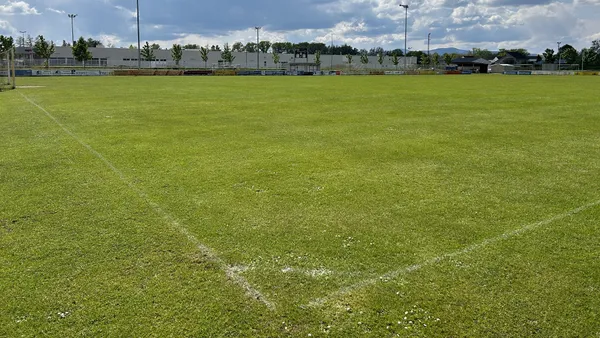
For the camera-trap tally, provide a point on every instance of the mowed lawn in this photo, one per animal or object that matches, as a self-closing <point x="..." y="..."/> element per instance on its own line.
<point x="294" y="206"/>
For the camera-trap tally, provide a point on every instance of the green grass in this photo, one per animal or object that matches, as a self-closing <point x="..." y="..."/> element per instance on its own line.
<point x="306" y="187"/>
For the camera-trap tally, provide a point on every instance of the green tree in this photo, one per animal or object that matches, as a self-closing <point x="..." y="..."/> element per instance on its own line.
<point x="6" y="43"/>
<point x="435" y="59"/>
<point x="132" y="47"/>
<point x="482" y="53"/>
<point x="349" y="59"/>
<point x="147" y="52"/>
<point x="227" y="55"/>
<point x="237" y="47"/>
<point x="568" y="53"/>
<point x="318" y="58"/>
<point x="250" y="47"/>
<point x="398" y="52"/>
<point x="519" y="50"/>
<point x="380" y="56"/>
<point x="80" y="51"/>
<point x="264" y="46"/>
<point x="278" y="47"/>
<point x="582" y="57"/>
<point x="276" y="59"/>
<point x="426" y="60"/>
<point x="20" y="41"/>
<point x="447" y="58"/>
<point x="364" y="58"/>
<point x="549" y="56"/>
<point x="592" y="56"/>
<point x="289" y="47"/>
<point x="29" y="41"/>
<point x="204" y="55"/>
<point x="191" y="46"/>
<point x="176" y="53"/>
<point x="419" y="54"/>
<point x="155" y="46"/>
<point x="395" y="59"/>
<point x="92" y="43"/>
<point x="44" y="49"/>
<point x="215" y="48"/>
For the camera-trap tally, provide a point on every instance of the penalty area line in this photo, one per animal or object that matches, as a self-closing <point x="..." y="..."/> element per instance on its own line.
<point x="175" y="224"/>
<point x="469" y="249"/>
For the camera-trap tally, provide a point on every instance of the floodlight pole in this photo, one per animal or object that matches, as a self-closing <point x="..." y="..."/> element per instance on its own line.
<point x="405" y="31"/>
<point x="582" y="58"/>
<point x="331" y="51"/>
<point x="23" y="41"/>
<point x="137" y="3"/>
<point x="558" y="43"/>
<point x="257" y="47"/>
<point x="72" y="16"/>
<point x="428" y="43"/>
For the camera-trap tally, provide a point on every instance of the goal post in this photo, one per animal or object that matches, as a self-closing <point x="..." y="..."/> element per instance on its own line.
<point x="7" y="70"/>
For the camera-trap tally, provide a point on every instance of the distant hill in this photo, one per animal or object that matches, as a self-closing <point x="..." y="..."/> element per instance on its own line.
<point x="449" y="51"/>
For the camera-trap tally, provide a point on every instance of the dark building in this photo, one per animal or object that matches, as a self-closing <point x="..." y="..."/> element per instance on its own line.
<point x="474" y="64"/>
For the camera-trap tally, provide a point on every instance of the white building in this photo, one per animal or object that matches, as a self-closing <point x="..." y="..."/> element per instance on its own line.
<point x="128" y="58"/>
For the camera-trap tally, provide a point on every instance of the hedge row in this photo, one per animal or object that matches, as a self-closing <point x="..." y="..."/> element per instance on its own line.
<point x="148" y="72"/>
<point x="219" y="72"/>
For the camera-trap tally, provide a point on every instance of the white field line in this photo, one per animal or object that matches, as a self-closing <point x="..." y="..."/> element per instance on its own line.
<point x="408" y="269"/>
<point x="205" y="250"/>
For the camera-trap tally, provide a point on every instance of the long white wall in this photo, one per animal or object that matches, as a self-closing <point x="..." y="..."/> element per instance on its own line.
<point x="115" y="57"/>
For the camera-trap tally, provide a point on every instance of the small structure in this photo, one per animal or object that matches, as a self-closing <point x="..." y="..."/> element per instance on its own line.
<point x="469" y="63"/>
<point x="304" y="67"/>
<point x="516" y="58"/>
<point x="501" y="68"/>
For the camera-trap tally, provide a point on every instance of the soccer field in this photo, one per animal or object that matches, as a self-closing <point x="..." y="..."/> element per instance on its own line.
<point x="300" y="206"/>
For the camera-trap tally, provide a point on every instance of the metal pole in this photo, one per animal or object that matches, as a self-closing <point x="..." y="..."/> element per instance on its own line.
<point x="331" y="51"/>
<point x="72" y="16"/>
<point x="137" y="2"/>
<point x="428" y="43"/>
<point x="23" y="41"/>
<point x="558" y="43"/>
<point x="257" y="49"/>
<point x="405" y="32"/>
<point x="582" y="57"/>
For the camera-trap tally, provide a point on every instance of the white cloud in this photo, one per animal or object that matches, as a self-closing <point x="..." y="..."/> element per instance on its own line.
<point x="127" y="12"/>
<point x="532" y="24"/>
<point x="5" y="26"/>
<point x="108" y="40"/>
<point x="18" y="7"/>
<point x="57" y="11"/>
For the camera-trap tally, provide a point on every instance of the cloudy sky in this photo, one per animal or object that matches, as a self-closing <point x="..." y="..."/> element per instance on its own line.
<point x="491" y="24"/>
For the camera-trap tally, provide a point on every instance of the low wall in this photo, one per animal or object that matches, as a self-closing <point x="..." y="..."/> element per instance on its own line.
<point x="551" y="72"/>
<point x="587" y="73"/>
<point x="69" y="73"/>
<point x="197" y="72"/>
<point x="147" y="72"/>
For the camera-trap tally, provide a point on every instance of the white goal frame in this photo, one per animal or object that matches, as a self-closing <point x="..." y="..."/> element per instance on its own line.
<point x="8" y="79"/>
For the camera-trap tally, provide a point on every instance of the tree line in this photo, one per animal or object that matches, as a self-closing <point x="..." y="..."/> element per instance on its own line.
<point x="44" y="49"/>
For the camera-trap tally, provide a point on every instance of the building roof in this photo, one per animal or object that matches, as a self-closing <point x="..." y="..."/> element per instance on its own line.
<point x="518" y="56"/>
<point x="471" y="60"/>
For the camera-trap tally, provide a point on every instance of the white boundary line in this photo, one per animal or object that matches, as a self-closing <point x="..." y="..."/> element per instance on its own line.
<point x="415" y="267"/>
<point x="205" y="250"/>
